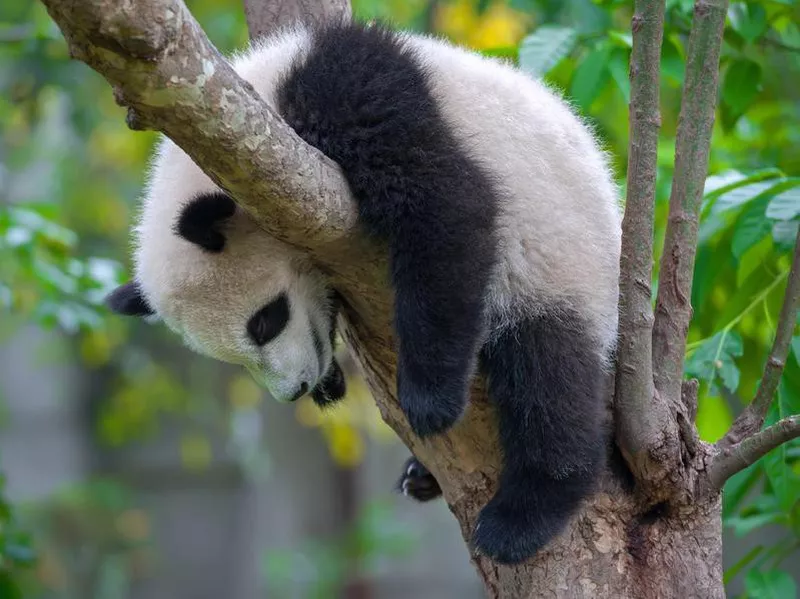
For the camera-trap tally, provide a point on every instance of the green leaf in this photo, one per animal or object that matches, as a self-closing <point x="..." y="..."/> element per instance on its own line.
<point x="744" y="525"/>
<point x="591" y="76"/>
<point x="731" y="572"/>
<point x="544" y="48"/>
<point x="785" y="484"/>
<point x="621" y="38"/>
<point x="741" y="85"/>
<point x="784" y="233"/>
<point x="751" y="227"/>
<point x="796" y="347"/>
<point x="715" y="358"/>
<point x="785" y="204"/>
<point x="509" y="52"/>
<point x="753" y="259"/>
<point x="737" y="488"/>
<point x="8" y="587"/>
<point x="21" y="554"/>
<point x="618" y="67"/>
<point x="748" y="19"/>
<point x="770" y="584"/>
<point x="672" y="63"/>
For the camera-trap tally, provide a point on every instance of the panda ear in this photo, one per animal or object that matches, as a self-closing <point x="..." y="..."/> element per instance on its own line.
<point x="128" y="300"/>
<point x="200" y="220"/>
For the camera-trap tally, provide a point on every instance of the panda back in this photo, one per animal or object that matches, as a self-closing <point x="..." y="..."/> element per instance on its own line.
<point x="558" y="218"/>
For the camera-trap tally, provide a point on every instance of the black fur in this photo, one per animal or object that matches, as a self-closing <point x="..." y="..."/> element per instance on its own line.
<point x="128" y="300"/>
<point x="362" y="99"/>
<point x="545" y="377"/>
<point x="417" y="482"/>
<point x="269" y="321"/>
<point x="200" y="220"/>
<point x="331" y="388"/>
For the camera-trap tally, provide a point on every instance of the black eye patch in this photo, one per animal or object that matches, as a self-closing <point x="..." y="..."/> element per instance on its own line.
<point x="269" y="321"/>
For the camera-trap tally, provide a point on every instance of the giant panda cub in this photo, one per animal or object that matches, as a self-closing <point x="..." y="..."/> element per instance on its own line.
<point x="503" y="231"/>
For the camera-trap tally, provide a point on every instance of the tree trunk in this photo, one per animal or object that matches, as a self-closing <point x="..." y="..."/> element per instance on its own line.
<point x="618" y="547"/>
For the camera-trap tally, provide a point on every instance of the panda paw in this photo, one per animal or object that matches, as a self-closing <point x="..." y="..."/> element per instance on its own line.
<point x="417" y="482"/>
<point x="510" y="534"/>
<point x="430" y="409"/>
<point x="332" y="388"/>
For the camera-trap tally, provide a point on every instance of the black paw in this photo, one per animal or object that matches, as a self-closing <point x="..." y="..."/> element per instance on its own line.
<point x="510" y="533"/>
<point x="331" y="388"/>
<point x="431" y="409"/>
<point x="417" y="482"/>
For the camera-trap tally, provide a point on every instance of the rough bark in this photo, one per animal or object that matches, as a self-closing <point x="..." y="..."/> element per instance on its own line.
<point x="695" y="122"/>
<point x="653" y="530"/>
<point x="639" y="413"/>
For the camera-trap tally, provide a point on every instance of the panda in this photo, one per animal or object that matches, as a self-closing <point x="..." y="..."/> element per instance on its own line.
<point x="502" y="224"/>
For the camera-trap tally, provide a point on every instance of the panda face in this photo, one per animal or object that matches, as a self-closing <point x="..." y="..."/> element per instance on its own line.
<point x="234" y="294"/>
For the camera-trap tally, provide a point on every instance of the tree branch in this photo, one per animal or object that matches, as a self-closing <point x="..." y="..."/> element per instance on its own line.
<point x="640" y="416"/>
<point x="164" y="68"/>
<point x="736" y="457"/>
<point x="695" y="124"/>
<point x="752" y="417"/>
<point x="265" y="16"/>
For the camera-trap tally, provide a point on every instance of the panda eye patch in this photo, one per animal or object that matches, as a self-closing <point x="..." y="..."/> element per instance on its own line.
<point x="269" y="321"/>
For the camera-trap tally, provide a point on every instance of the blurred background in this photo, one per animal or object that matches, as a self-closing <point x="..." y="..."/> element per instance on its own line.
<point x="131" y="468"/>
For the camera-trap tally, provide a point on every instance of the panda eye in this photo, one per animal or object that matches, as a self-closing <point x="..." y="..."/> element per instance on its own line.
<point x="269" y="321"/>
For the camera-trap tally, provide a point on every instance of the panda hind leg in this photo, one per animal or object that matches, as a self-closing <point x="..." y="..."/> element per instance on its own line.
<point x="545" y="377"/>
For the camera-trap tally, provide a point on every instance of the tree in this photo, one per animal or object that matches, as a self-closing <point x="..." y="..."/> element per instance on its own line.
<point x="654" y="528"/>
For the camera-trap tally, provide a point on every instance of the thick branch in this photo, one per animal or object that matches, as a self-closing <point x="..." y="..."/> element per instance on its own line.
<point x="265" y="16"/>
<point x="164" y="68"/>
<point x="673" y="305"/>
<point x="739" y="456"/>
<point x="640" y="416"/>
<point x="752" y="417"/>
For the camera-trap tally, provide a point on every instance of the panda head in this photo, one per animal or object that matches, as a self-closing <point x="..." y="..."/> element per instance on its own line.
<point x="233" y="292"/>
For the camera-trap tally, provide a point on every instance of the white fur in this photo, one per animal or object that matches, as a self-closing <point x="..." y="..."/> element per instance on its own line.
<point x="559" y="222"/>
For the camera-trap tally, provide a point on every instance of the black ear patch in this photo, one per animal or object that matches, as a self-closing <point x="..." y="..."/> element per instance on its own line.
<point x="128" y="300"/>
<point x="200" y="220"/>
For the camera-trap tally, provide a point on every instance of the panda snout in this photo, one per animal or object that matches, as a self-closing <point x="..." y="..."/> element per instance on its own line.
<point x="301" y="392"/>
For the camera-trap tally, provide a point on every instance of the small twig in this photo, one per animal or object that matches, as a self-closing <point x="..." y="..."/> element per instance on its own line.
<point x="739" y="456"/>
<point x="640" y="415"/>
<point x="673" y="305"/>
<point x="752" y="417"/>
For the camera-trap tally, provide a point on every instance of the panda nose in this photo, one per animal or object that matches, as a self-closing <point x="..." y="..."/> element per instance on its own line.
<point x="301" y="393"/>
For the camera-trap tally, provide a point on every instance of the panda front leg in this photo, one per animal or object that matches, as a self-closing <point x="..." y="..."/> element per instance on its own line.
<point x="545" y="377"/>
<point x="440" y="287"/>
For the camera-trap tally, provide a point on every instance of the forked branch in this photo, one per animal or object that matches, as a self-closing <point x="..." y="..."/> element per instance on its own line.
<point x="739" y="456"/>
<point x="696" y="120"/>
<point x="640" y="415"/>
<point x="743" y="439"/>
